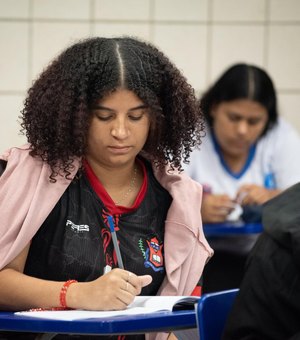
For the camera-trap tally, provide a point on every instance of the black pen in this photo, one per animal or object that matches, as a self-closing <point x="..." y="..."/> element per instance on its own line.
<point x="115" y="241"/>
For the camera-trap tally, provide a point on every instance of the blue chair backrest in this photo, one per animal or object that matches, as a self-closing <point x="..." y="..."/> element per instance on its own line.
<point x="212" y="312"/>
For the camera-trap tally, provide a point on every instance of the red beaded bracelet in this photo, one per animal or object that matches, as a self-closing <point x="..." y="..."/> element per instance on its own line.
<point x="63" y="293"/>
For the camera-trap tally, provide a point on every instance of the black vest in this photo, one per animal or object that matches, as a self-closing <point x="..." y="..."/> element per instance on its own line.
<point x="74" y="242"/>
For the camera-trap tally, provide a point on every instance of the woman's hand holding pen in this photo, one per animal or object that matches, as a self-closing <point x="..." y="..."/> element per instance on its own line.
<point x="216" y="208"/>
<point x="112" y="291"/>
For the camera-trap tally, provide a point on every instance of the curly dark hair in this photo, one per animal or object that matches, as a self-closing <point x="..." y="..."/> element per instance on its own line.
<point x="242" y="81"/>
<point x="57" y="111"/>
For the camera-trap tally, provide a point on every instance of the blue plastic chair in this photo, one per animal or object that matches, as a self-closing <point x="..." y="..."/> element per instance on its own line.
<point x="212" y="312"/>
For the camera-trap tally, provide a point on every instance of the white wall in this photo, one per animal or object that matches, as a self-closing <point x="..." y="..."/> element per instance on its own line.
<point x="203" y="37"/>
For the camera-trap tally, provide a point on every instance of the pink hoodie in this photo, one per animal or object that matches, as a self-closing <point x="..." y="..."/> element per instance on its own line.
<point x="27" y="197"/>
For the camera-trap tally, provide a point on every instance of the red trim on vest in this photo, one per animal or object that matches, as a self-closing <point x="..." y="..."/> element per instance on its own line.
<point x="104" y="196"/>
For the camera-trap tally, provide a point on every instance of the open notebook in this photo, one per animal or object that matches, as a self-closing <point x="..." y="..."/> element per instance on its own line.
<point x="140" y="305"/>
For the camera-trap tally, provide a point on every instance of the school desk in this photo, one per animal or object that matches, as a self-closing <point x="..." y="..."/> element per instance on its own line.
<point x="130" y="324"/>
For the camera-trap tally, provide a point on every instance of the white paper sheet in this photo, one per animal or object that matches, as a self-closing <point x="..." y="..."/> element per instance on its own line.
<point x="140" y="305"/>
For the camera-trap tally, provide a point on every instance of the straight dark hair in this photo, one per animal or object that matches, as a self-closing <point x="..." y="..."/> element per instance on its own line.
<point x="242" y="81"/>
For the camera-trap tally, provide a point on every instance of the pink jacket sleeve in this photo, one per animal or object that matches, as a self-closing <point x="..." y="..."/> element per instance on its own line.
<point x="186" y="249"/>
<point x="26" y="198"/>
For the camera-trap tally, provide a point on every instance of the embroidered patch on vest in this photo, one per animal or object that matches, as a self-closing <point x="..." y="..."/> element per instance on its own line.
<point x="152" y="253"/>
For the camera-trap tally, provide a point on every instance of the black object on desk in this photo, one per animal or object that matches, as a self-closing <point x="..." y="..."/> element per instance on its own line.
<point x="252" y="213"/>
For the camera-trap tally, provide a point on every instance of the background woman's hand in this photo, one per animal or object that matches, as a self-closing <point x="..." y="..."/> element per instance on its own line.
<point x="216" y="208"/>
<point x="112" y="291"/>
<point x="254" y="194"/>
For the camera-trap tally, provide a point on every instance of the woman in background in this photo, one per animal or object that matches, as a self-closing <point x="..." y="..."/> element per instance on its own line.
<point x="249" y="155"/>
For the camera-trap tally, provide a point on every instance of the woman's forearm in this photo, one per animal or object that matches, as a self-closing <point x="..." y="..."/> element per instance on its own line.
<point x="21" y="292"/>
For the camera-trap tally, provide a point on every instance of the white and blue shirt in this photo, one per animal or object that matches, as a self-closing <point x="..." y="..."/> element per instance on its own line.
<point x="273" y="162"/>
